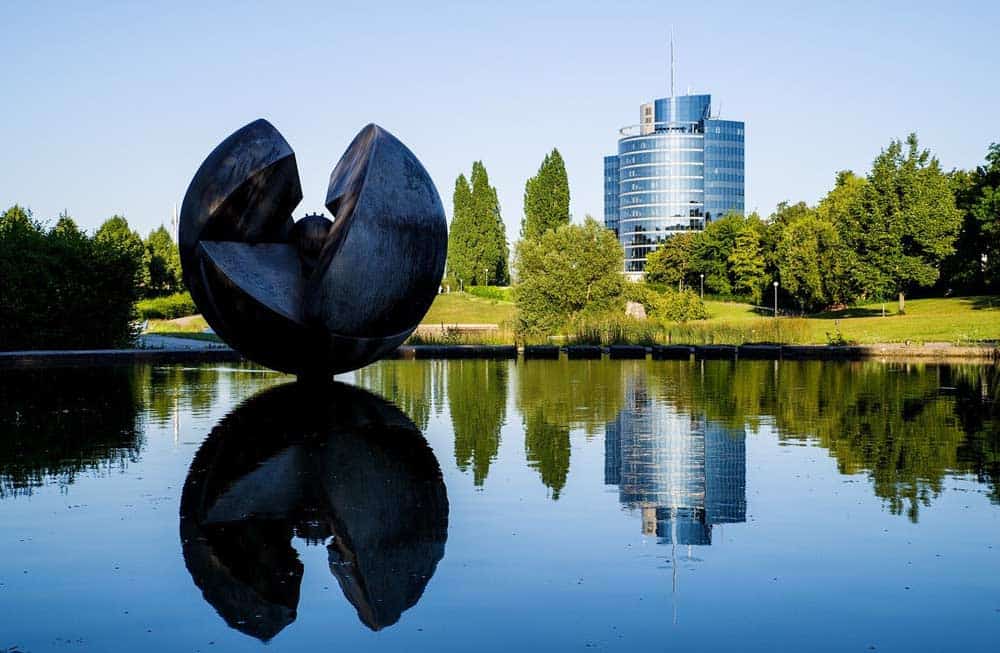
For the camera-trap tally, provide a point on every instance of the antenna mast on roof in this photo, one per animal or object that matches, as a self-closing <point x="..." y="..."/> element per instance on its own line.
<point x="671" y="61"/>
<point x="174" y="225"/>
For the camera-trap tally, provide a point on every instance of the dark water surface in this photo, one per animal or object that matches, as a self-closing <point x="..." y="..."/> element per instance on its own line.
<point x="494" y="506"/>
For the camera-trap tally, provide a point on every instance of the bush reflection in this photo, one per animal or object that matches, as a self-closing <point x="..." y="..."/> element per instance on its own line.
<point x="57" y="423"/>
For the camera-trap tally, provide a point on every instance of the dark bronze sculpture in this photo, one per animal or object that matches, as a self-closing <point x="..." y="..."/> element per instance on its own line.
<point x="329" y="463"/>
<point x="313" y="297"/>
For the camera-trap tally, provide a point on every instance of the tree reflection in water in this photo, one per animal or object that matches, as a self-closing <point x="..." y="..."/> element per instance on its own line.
<point x="57" y="423"/>
<point x="555" y="397"/>
<point x="905" y="426"/>
<point x="477" y="401"/>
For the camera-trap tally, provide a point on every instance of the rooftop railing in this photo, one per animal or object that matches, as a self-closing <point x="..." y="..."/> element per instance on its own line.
<point x="649" y="128"/>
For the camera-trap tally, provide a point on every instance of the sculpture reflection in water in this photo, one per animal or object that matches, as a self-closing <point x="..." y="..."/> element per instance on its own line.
<point x="347" y="470"/>
<point x="684" y="472"/>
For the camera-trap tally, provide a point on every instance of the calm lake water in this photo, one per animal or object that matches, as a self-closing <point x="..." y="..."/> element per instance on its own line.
<point x="498" y="506"/>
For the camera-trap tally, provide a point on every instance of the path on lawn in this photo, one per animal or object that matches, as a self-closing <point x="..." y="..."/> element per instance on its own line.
<point x="156" y="341"/>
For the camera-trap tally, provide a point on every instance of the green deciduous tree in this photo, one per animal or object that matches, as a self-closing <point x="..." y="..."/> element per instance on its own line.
<point x="746" y="264"/>
<point x="115" y="235"/>
<point x="565" y="273"/>
<point x="486" y="211"/>
<point x="712" y="249"/>
<point x="163" y="262"/>
<point x="783" y="214"/>
<point x="975" y="264"/>
<point x="671" y="262"/>
<point x="903" y="224"/>
<point x="811" y="262"/>
<point x="546" y="197"/>
<point x="462" y="238"/>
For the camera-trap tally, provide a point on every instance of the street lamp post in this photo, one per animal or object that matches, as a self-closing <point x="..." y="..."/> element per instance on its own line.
<point x="703" y="285"/>
<point x="775" y="299"/>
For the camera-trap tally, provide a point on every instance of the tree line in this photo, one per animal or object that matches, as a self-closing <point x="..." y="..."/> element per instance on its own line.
<point x="905" y="227"/>
<point x="63" y="288"/>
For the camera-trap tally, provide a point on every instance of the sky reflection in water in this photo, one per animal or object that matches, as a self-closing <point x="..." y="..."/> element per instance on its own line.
<point x="486" y="504"/>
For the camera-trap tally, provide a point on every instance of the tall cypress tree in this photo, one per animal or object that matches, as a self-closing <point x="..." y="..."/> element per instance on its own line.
<point x="546" y="197"/>
<point x="491" y="254"/>
<point x="477" y="240"/>
<point x="461" y="237"/>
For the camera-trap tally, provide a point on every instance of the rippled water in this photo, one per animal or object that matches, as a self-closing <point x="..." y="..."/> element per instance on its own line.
<point x="481" y="505"/>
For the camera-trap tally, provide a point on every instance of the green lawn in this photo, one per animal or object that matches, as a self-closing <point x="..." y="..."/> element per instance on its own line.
<point x="463" y="308"/>
<point x="191" y="325"/>
<point x="730" y="311"/>
<point x="954" y="319"/>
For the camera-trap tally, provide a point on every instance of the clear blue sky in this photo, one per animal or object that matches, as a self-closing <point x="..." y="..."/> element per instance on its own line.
<point x="111" y="107"/>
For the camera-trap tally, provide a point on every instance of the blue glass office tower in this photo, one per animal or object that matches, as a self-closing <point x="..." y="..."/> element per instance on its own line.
<point x="678" y="169"/>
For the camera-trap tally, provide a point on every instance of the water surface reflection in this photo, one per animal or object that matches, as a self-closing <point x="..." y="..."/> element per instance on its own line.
<point x="854" y="500"/>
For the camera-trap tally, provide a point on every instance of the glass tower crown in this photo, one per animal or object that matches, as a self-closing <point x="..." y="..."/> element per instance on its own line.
<point x="676" y="170"/>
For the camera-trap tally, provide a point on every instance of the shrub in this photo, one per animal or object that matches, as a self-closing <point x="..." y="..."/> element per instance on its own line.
<point x="641" y="293"/>
<point x="62" y="289"/>
<point x="666" y="304"/>
<point x="167" y="308"/>
<point x="680" y="306"/>
<point x="498" y="293"/>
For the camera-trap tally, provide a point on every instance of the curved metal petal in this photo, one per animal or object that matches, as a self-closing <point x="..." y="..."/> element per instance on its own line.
<point x="384" y="258"/>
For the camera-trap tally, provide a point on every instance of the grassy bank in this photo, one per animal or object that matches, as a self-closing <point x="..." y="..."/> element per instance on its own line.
<point x="957" y="320"/>
<point x="192" y="326"/>
<point x="463" y="308"/>
<point x="952" y="319"/>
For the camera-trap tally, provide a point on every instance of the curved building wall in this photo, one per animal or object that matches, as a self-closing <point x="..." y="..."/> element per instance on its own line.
<point x="675" y="171"/>
<point x="661" y="189"/>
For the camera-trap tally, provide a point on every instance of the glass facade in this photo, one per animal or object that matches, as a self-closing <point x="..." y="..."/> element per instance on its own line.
<point x="611" y="193"/>
<point x="676" y="170"/>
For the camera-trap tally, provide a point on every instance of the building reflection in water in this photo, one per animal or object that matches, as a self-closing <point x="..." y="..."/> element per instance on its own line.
<point x="683" y="473"/>
<point x="333" y="465"/>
